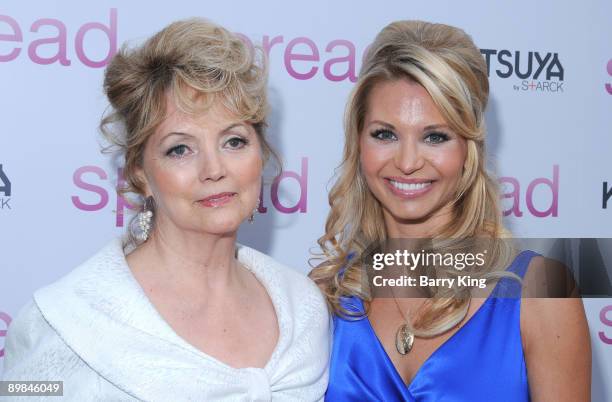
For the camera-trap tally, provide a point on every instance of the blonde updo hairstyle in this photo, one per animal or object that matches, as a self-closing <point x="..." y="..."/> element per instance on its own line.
<point x="445" y="61"/>
<point x="198" y="63"/>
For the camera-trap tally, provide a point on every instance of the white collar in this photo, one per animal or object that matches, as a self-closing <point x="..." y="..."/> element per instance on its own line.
<point x="104" y="316"/>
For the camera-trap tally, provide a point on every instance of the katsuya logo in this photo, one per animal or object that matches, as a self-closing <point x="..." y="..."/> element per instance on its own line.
<point x="531" y="71"/>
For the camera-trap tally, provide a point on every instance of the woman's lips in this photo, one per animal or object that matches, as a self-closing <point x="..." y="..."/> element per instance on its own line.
<point x="217" y="200"/>
<point x="409" y="189"/>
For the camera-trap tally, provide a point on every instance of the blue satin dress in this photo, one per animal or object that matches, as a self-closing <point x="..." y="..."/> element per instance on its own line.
<point x="482" y="361"/>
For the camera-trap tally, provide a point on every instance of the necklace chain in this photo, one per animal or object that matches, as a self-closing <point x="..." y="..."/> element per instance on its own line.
<point x="404" y="337"/>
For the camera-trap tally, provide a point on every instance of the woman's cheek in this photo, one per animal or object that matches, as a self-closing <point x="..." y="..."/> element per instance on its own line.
<point x="447" y="158"/>
<point x="373" y="158"/>
<point x="248" y="171"/>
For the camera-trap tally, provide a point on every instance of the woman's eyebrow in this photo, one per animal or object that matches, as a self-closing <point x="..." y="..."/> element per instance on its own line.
<point x="175" y="133"/>
<point x="436" y="126"/>
<point x="382" y="123"/>
<point x="233" y="125"/>
<point x="392" y="127"/>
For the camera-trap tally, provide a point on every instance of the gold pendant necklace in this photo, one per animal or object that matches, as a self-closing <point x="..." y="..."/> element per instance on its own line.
<point x="404" y="339"/>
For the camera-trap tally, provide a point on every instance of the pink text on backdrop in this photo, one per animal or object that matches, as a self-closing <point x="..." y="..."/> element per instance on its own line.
<point x="53" y="42"/>
<point x="609" y="85"/>
<point x="549" y="185"/>
<point x="302" y="180"/>
<point x="603" y="317"/>
<point x="7" y="321"/>
<point x="94" y="180"/>
<point x="49" y="44"/>
<point x="302" y="57"/>
<point x="78" y="180"/>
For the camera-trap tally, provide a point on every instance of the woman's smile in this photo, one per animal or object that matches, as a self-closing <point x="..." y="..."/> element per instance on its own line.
<point x="409" y="188"/>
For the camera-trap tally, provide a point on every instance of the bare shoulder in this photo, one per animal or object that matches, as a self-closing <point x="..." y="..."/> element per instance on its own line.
<point x="548" y="278"/>
<point x="555" y="334"/>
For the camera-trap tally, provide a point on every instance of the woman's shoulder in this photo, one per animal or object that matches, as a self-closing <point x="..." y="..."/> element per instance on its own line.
<point x="109" y="255"/>
<point x="39" y="330"/>
<point x="35" y="351"/>
<point x="92" y="278"/>
<point x="99" y="293"/>
<point x="28" y="326"/>
<point x="32" y="347"/>
<point x="545" y="277"/>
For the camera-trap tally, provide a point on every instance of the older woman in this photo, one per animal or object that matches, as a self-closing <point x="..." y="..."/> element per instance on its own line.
<point x="180" y="311"/>
<point x="414" y="168"/>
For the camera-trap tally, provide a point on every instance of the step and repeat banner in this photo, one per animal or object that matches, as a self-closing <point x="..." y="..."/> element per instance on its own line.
<point x="549" y="124"/>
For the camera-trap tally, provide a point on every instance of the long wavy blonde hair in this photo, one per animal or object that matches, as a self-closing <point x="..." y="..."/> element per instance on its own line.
<point x="445" y="61"/>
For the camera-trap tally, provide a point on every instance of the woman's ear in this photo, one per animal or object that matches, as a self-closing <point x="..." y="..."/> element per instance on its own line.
<point x="142" y="178"/>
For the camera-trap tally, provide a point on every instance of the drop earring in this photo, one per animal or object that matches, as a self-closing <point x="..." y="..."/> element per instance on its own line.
<point x="252" y="217"/>
<point x="144" y="219"/>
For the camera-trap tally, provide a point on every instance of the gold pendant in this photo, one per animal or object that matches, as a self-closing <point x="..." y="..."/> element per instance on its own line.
<point x="404" y="340"/>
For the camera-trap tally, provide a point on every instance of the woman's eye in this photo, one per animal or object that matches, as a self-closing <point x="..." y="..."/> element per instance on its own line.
<point x="436" y="138"/>
<point x="178" y="151"/>
<point x="383" y="135"/>
<point x="236" y="142"/>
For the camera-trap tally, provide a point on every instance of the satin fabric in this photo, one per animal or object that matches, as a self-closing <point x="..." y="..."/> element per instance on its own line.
<point x="482" y="361"/>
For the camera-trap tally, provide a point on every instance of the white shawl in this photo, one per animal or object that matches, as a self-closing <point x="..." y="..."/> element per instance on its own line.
<point x="96" y="330"/>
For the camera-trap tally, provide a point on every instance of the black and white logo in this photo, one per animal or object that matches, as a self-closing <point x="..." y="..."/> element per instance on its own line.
<point x="533" y="71"/>
<point x="606" y="194"/>
<point x="5" y="190"/>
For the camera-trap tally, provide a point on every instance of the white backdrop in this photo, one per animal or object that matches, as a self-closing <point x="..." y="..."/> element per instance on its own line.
<point x="550" y="127"/>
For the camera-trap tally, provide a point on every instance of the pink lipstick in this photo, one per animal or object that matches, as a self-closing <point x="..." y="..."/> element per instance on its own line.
<point x="217" y="200"/>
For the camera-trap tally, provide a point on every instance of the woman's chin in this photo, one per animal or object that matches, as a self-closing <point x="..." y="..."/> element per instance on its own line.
<point x="411" y="216"/>
<point x="221" y="226"/>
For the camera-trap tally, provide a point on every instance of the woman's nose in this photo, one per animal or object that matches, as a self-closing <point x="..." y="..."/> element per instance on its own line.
<point x="409" y="157"/>
<point x="212" y="166"/>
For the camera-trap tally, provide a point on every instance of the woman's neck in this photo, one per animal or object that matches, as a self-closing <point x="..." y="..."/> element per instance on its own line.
<point x="201" y="260"/>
